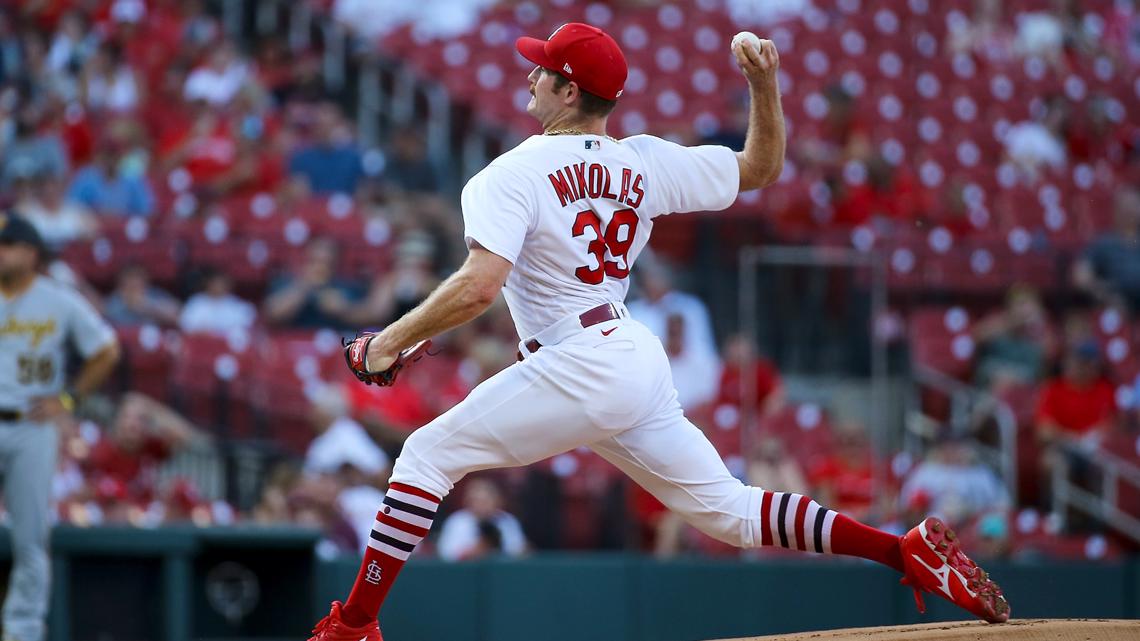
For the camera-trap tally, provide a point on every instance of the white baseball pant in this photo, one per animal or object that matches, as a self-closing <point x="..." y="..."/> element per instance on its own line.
<point x="607" y="387"/>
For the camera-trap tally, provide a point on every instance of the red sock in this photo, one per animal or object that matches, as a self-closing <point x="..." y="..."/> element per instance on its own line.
<point x="796" y="522"/>
<point x="400" y="525"/>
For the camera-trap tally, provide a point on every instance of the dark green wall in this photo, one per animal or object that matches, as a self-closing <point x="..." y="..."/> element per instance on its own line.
<point x="150" y="585"/>
<point x="624" y="598"/>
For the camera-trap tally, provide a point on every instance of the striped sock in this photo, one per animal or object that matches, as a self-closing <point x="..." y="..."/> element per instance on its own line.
<point x="796" y="522"/>
<point x="400" y="525"/>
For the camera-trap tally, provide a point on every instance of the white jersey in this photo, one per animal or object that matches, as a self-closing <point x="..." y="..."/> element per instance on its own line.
<point x="572" y="214"/>
<point x="35" y="327"/>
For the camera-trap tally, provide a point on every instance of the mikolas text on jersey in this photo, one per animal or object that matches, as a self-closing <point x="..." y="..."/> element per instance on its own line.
<point x="578" y="181"/>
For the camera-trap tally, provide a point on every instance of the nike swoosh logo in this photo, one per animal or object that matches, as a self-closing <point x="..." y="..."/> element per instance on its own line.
<point x="608" y="332"/>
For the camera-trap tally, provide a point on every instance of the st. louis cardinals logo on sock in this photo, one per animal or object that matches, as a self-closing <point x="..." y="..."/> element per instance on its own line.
<point x="373" y="573"/>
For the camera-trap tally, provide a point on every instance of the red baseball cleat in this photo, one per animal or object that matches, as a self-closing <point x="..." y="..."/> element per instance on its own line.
<point x="935" y="563"/>
<point x="331" y="628"/>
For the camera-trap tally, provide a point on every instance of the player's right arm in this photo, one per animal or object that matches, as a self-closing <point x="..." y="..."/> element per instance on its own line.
<point x="762" y="160"/>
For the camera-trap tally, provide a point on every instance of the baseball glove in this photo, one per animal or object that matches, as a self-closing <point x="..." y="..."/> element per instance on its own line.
<point x="356" y="349"/>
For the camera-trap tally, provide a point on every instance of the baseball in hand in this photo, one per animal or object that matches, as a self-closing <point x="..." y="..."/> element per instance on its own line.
<point x="746" y="37"/>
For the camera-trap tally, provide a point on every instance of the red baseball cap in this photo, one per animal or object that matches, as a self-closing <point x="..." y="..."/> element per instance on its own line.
<point x="582" y="53"/>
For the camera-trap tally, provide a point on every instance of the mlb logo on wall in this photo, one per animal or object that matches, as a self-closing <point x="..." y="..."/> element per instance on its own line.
<point x="593" y="144"/>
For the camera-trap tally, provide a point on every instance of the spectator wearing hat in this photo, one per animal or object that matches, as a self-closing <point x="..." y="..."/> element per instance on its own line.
<point x="1080" y="404"/>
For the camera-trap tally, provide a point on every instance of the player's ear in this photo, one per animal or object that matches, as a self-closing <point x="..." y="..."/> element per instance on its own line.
<point x="573" y="92"/>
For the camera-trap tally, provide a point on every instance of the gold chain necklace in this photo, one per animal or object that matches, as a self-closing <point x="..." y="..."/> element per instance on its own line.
<point x="574" y="132"/>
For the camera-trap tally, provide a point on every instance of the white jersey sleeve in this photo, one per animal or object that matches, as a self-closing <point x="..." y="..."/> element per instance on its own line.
<point x="685" y="179"/>
<point x="498" y="211"/>
<point x="89" y="332"/>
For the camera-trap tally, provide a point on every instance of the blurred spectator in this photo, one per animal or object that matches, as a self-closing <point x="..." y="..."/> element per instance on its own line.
<point x="1079" y="405"/>
<point x="109" y="83"/>
<point x="659" y="300"/>
<point x="220" y="79"/>
<point x="144" y="434"/>
<point x="481" y="528"/>
<point x="34" y="150"/>
<point x="765" y="12"/>
<point x="772" y="466"/>
<point x="987" y="35"/>
<point x="215" y="309"/>
<point x="1040" y="34"/>
<point x="313" y="503"/>
<point x="843" y="478"/>
<point x="1015" y="343"/>
<point x="72" y="45"/>
<point x="398" y="291"/>
<point x="59" y="219"/>
<point x="1110" y="267"/>
<point x="114" y="183"/>
<point x="330" y="163"/>
<point x="343" y="450"/>
<point x="739" y="355"/>
<point x="206" y="148"/>
<point x="693" y="373"/>
<point x="1122" y="33"/>
<point x="314" y="296"/>
<point x="952" y="484"/>
<point x="441" y="19"/>
<point x="408" y="167"/>
<point x="1033" y="145"/>
<point x="340" y="440"/>
<point x="135" y="301"/>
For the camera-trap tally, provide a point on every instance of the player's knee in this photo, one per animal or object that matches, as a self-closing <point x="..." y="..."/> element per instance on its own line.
<point x="735" y="520"/>
<point x="417" y="467"/>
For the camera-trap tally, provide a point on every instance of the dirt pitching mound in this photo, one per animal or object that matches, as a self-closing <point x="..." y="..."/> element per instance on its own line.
<point x="1015" y="630"/>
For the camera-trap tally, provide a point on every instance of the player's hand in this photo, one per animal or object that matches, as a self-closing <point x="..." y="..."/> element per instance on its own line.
<point x="378" y="358"/>
<point x="757" y="65"/>
<point x="47" y="409"/>
<point x="373" y="363"/>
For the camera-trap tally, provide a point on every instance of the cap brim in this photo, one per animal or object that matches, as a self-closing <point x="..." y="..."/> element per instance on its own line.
<point x="534" y="50"/>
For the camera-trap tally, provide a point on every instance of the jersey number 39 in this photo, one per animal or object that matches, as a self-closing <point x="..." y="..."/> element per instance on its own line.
<point x="610" y="246"/>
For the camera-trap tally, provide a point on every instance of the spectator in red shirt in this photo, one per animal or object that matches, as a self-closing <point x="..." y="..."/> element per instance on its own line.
<point x="145" y="433"/>
<point x="740" y="353"/>
<point x="1080" y="404"/>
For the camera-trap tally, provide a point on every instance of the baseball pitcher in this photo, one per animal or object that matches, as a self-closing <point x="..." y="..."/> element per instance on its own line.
<point x="556" y="224"/>
<point x="39" y="319"/>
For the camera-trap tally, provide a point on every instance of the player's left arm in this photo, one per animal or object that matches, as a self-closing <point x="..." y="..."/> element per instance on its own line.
<point x="762" y="160"/>
<point x="459" y="299"/>
<point x="92" y="373"/>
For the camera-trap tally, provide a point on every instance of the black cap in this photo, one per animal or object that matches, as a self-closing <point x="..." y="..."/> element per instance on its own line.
<point x="16" y="229"/>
